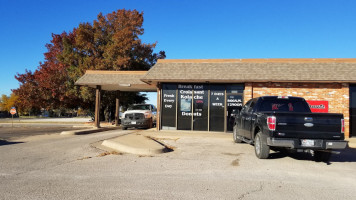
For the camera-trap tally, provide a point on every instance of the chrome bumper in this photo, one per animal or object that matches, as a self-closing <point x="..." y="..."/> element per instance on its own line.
<point x="295" y="143"/>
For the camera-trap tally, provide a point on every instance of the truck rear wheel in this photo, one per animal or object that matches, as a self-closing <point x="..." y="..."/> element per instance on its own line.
<point x="236" y="140"/>
<point x="261" y="147"/>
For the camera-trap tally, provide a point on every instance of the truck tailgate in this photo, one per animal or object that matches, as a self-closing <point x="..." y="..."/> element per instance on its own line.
<point x="308" y="125"/>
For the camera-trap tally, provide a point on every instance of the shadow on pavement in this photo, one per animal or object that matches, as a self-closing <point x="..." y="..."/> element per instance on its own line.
<point x="346" y="155"/>
<point x="4" y="142"/>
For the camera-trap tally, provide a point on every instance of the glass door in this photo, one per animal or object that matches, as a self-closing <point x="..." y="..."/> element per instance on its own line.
<point x="217" y="107"/>
<point x="234" y="101"/>
<point x="233" y="104"/>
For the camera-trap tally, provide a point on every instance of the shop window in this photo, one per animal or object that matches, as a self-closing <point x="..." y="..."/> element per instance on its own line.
<point x="200" y="107"/>
<point x="169" y="108"/>
<point x="185" y="93"/>
<point x="217" y="107"/>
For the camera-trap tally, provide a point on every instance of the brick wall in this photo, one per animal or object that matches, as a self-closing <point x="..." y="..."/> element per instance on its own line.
<point x="337" y="94"/>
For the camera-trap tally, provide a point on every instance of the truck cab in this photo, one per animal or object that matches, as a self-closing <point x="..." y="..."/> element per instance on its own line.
<point x="272" y="122"/>
<point x="139" y="116"/>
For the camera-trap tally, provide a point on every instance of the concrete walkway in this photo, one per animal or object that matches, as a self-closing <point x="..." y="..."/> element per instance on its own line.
<point x="352" y="142"/>
<point x="146" y="142"/>
<point x="135" y="144"/>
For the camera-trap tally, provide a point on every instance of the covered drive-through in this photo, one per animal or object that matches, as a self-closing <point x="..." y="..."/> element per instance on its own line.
<point x="126" y="81"/>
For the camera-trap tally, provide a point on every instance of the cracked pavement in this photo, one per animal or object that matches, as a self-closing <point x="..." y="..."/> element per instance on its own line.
<point x="69" y="167"/>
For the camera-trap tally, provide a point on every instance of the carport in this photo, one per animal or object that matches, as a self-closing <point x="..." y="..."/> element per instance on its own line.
<point x="127" y="81"/>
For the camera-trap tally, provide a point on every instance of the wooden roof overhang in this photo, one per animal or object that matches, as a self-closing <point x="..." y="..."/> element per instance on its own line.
<point x="128" y="81"/>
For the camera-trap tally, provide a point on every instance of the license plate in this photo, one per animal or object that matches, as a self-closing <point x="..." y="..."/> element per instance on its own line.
<point x="307" y="143"/>
<point x="133" y="122"/>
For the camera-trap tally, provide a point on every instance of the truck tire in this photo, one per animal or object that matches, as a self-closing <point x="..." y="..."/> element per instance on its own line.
<point x="322" y="156"/>
<point x="124" y="128"/>
<point x="261" y="147"/>
<point x="234" y="134"/>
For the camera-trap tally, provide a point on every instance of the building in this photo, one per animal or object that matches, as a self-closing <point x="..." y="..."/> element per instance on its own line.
<point x="202" y="95"/>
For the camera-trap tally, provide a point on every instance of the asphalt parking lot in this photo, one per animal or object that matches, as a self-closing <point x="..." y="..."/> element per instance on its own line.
<point x="71" y="167"/>
<point x="9" y="133"/>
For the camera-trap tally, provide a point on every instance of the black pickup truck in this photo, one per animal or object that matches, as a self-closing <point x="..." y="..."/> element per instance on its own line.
<point x="279" y="122"/>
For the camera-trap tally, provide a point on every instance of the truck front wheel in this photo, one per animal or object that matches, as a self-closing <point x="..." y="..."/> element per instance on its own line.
<point x="236" y="140"/>
<point x="261" y="147"/>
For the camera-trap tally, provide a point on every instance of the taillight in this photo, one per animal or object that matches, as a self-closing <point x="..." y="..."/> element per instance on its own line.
<point x="271" y="123"/>
<point x="342" y="126"/>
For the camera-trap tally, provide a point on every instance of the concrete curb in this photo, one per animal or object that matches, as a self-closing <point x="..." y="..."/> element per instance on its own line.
<point x="352" y="142"/>
<point x="88" y="131"/>
<point x="134" y="144"/>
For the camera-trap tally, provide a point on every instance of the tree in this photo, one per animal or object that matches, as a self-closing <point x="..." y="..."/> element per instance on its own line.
<point x="6" y="102"/>
<point x="111" y="42"/>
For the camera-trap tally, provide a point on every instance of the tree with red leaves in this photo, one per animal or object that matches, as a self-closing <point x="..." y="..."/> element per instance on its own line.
<point x="110" y="43"/>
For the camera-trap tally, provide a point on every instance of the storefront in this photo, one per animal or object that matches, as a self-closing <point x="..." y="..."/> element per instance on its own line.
<point x="202" y="95"/>
<point x="200" y="107"/>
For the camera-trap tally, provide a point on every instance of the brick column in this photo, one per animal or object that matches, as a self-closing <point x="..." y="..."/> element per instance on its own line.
<point x="248" y="92"/>
<point x="346" y="107"/>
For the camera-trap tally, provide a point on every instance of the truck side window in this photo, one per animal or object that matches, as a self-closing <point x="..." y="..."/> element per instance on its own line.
<point x="246" y="107"/>
<point x="253" y="103"/>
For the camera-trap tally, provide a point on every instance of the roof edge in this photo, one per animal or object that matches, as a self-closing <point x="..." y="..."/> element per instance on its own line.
<point x="115" y="72"/>
<point x="262" y="60"/>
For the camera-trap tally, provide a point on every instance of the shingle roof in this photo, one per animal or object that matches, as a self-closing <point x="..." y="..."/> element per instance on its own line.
<point x="253" y="70"/>
<point x="115" y="80"/>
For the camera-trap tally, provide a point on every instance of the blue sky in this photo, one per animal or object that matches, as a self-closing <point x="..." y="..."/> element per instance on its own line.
<point x="186" y="29"/>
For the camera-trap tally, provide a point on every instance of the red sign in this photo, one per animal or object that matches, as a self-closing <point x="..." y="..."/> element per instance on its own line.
<point x="13" y="111"/>
<point x="319" y="106"/>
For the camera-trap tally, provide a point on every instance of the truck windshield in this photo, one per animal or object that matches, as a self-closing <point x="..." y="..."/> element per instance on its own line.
<point x="284" y="105"/>
<point x="140" y="107"/>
